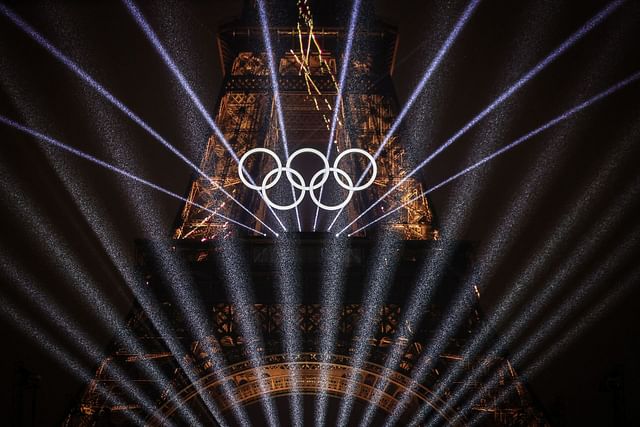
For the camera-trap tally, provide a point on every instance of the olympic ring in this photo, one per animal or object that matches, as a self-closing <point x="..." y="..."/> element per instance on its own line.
<point x="297" y="180"/>
<point x="264" y="189"/>
<point x="340" y="205"/>
<point x="241" y="168"/>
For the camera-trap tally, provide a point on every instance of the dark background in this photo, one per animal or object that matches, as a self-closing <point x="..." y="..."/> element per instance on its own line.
<point x="574" y="185"/>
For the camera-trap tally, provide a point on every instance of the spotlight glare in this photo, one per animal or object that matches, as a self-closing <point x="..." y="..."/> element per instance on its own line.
<point x="55" y="314"/>
<point x="591" y="241"/>
<point x="155" y="41"/>
<point x="103" y="303"/>
<point x="564" y="312"/>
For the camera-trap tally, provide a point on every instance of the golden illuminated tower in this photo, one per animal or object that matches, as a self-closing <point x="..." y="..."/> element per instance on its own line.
<point x="308" y="59"/>
<point x="308" y="56"/>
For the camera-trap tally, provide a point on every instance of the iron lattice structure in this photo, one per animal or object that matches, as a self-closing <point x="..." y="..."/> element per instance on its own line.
<point x="308" y="57"/>
<point x="273" y="375"/>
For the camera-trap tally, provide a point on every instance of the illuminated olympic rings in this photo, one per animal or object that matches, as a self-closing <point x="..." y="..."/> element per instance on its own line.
<point x="298" y="182"/>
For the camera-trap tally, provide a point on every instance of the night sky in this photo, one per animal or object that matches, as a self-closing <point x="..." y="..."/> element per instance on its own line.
<point x="563" y="204"/>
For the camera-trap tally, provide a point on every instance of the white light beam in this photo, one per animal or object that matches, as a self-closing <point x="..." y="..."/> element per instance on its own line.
<point x="155" y="41"/>
<point x="273" y="75"/>
<point x="567" y="114"/>
<point x="112" y="168"/>
<point x="466" y="15"/>
<point x="590" y="25"/>
<point x="37" y="37"/>
<point x="346" y="58"/>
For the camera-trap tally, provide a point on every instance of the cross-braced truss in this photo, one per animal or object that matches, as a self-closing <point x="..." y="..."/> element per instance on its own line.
<point x="307" y="65"/>
<point x="274" y="371"/>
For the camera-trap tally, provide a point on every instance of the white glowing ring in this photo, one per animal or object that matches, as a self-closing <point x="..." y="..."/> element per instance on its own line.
<point x="325" y="171"/>
<point x="264" y="189"/>
<point x="340" y="205"/>
<point x="260" y="187"/>
<point x="350" y="187"/>
<point x="297" y="180"/>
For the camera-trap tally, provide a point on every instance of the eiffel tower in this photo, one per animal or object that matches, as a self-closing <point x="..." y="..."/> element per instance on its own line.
<point x="308" y="58"/>
<point x="308" y="51"/>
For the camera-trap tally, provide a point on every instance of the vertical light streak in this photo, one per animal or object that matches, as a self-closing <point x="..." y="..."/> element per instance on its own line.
<point x="346" y="59"/>
<point x="162" y="324"/>
<point x="332" y="296"/>
<point x="418" y="302"/>
<point x="237" y="285"/>
<point x="381" y="272"/>
<point x="466" y="15"/>
<point x="176" y="273"/>
<point x="273" y="76"/>
<point x="65" y="359"/>
<point x="418" y="90"/>
<point x="289" y="290"/>
<point x="273" y="72"/>
<point x="436" y="347"/>
<point x="115" y="169"/>
<point x="575" y="37"/>
<point x="155" y="41"/>
<point x="564" y="116"/>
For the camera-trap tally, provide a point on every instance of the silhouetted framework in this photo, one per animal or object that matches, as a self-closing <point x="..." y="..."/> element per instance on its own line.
<point x="308" y="57"/>
<point x="203" y="261"/>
